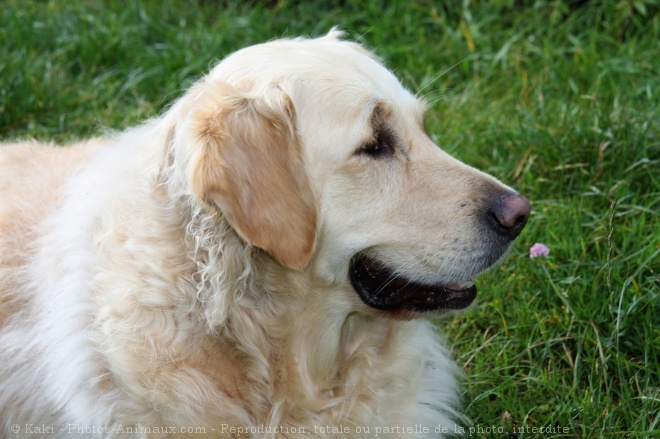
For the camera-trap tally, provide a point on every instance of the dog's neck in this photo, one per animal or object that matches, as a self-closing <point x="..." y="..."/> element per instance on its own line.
<point x="293" y="349"/>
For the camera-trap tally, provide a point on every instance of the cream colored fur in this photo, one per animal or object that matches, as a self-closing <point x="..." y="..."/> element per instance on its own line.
<point x="166" y="278"/>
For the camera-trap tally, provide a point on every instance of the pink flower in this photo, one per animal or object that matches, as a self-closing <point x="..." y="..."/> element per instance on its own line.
<point x="539" y="249"/>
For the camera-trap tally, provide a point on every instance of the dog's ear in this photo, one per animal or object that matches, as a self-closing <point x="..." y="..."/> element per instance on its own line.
<point x="247" y="161"/>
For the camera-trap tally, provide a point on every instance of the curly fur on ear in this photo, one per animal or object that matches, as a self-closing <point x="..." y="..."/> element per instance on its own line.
<point x="244" y="158"/>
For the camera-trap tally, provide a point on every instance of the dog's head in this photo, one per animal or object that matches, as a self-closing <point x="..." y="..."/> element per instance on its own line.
<point x="316" y="154"/>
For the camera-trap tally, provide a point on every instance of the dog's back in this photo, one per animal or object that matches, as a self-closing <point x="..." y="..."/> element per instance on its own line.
<point x="31" y="178"/>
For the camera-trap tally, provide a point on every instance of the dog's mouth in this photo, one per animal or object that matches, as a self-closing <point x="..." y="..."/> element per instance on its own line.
<point x="382" y="289"/>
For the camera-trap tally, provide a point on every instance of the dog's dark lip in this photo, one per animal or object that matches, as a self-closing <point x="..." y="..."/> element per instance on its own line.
<point x="382" y="289"/>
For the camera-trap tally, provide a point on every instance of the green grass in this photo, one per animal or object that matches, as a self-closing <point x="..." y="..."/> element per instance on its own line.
<point x="560" y="102"/>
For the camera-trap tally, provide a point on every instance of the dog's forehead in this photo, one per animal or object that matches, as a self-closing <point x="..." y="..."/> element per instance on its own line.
<point x="318" y="68"/>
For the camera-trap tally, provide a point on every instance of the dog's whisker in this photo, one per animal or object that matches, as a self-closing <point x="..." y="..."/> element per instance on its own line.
<point x="406" y="266"/>
<point x="431" y="102"/>
<point x="444" y="72"/>
<point x="432" y="92"/>
<point x="393" y="276"/>
<point x="367" y="31"/>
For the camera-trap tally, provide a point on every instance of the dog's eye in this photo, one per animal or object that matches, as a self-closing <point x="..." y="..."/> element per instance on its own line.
<point x="380" y="146"/>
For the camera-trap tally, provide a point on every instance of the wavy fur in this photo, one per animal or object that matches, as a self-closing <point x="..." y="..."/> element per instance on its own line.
<point x="137" y="302"/>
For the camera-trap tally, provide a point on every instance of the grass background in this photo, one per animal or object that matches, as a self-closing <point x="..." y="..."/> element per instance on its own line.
<point x="558" y="99"/>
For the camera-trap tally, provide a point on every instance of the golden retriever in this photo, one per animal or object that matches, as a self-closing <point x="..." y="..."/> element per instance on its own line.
<point x="261" y="261"/>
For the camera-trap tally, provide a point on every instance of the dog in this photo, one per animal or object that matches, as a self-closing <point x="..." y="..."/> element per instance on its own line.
<point x="263" y="260"/>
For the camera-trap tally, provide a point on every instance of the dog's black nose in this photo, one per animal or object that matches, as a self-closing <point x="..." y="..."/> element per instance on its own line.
<point x="509" y="213"/>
